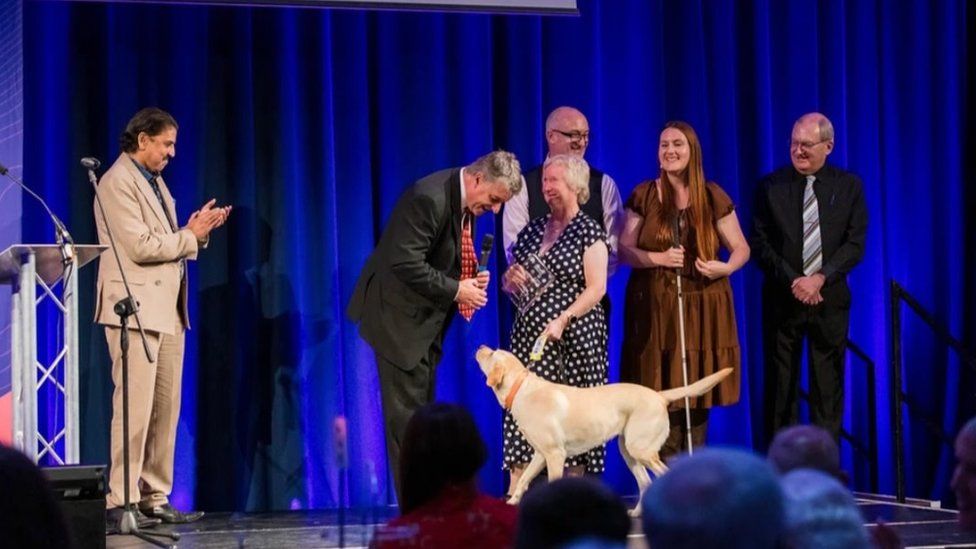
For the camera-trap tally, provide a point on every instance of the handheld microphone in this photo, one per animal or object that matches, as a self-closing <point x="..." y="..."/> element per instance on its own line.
<point x="90" y="163"/>
<point x="486" y="244"/>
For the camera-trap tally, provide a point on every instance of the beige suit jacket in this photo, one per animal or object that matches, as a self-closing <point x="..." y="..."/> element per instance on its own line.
<point x="149" y="249"/>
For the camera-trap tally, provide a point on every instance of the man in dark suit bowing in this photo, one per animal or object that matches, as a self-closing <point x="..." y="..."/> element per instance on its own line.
<point x="423" y="269"/>
<point x="810" y="225"/>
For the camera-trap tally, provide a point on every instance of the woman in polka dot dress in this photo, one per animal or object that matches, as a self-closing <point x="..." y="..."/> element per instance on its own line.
<point x="574" y="247"/>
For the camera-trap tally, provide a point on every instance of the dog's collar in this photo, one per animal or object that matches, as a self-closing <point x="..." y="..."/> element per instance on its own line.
<point x="510" y="397"/>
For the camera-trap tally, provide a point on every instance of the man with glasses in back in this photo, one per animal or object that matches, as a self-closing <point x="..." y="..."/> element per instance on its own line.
<point x="809" y="227"/>
<point x="567" y="132"/>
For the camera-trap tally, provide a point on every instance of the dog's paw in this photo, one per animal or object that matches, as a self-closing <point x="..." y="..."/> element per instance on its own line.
<point x="514" y="500"/>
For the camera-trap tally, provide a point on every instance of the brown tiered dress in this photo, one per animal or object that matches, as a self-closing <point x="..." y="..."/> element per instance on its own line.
<point x="651" y="349"/>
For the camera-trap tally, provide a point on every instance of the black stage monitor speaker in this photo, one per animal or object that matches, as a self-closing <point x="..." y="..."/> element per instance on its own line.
<point x="80" y="491"/>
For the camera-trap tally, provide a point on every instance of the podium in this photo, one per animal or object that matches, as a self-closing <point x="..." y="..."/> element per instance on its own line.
<point x="29" y="268"/>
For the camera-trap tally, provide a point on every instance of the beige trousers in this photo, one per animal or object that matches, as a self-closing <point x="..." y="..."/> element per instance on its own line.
<point x="154" y="409"/>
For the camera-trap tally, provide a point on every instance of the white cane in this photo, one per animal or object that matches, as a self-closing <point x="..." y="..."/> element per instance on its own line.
<point x="681" y="335"/>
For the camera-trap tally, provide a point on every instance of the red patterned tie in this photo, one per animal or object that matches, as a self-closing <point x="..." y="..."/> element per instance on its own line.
<point x="469" y="262"/>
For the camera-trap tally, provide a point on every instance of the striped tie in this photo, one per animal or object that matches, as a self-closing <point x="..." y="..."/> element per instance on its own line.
<point x="812" y="248"/>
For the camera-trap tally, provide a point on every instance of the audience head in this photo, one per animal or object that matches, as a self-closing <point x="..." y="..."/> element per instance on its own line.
<point x="492" y="180"/>
<point x="565" y="177"/>
<point x="715" y="498"/>
<point x="812" y="140"/>
<point x="821" y="513"/>
<point x="572" y="510"/>
<point x="964" y="477"/>
<point x="31" y="516"/>
<point x="805" y="447"/>
<point x="567" y="132"/>
<point x="441" y="448"/>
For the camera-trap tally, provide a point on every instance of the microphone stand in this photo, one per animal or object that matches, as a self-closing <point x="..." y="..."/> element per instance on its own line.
<point x="681" y="334"/>
<point x="126" y="307"/>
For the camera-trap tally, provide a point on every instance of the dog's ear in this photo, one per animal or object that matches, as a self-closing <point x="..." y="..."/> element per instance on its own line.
<point x="496" y="375"/>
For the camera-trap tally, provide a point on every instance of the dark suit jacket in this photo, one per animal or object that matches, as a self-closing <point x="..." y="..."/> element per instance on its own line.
<point x="405" y="293"/>
<point x="777" y="241"/>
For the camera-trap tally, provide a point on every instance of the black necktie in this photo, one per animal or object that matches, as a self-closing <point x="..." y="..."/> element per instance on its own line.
<point x="159" y="195"/>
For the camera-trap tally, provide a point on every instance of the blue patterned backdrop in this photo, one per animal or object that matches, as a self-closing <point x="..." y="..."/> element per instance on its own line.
<point x="11" y="156"/>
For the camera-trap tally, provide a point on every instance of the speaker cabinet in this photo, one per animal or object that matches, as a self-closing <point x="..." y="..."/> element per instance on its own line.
<point x="80" y="491"/>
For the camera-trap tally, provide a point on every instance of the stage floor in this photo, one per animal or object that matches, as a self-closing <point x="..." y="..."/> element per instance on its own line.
<point x="919" y="523"/>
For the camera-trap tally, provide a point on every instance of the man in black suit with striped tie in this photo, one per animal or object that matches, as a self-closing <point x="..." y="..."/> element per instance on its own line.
<point x="809" y="228"/>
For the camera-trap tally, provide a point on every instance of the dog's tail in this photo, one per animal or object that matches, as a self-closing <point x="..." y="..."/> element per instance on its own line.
<point x="697" y="388"/>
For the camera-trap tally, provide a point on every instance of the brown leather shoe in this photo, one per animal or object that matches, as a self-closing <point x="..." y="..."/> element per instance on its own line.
<point x="171" y="515"/>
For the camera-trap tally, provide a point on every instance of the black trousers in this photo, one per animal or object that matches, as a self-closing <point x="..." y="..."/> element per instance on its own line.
<point x="403" y="393"/>
<point x="786" y="323"/>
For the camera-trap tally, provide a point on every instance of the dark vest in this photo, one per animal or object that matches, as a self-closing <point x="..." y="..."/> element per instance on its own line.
<point x="539" y="208"/>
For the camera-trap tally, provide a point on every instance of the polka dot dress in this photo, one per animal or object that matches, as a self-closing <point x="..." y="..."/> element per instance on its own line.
<point x="580" y="358"/>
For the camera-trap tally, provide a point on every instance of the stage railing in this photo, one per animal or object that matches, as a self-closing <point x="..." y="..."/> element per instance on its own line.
<point x="867" y="450"/>
<point x="899" y="397"/>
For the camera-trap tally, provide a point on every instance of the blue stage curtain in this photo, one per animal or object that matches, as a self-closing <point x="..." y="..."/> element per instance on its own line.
<point x="312" y="122"/>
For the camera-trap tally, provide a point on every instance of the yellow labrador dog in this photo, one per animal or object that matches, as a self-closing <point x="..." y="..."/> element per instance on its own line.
<point x="559" y="421"/>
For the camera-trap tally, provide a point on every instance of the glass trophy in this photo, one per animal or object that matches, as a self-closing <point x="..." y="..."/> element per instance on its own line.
<point x="530" y="283"/>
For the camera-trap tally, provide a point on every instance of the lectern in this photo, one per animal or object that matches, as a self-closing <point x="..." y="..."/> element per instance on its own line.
<point x="32" y="270"/>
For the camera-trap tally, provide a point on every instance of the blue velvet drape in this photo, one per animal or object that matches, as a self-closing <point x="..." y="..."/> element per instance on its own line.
<point x="311" y="123"/>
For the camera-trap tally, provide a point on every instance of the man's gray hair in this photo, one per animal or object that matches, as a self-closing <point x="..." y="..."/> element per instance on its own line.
<point x="499" y="167"/>
<point x="577" y="174"/>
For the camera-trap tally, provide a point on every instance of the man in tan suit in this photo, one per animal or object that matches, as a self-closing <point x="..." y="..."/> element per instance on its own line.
<point x="153" y="250"/>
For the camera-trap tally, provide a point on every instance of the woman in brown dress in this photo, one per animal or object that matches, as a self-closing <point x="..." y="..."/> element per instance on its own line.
<point x="704" y="217"/>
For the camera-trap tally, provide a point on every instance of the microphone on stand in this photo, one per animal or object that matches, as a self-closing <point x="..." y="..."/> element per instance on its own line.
<point x="61" y="233"/>
<point x="486" y="244"/>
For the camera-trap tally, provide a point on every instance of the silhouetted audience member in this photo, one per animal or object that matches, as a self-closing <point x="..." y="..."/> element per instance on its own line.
<point x="29" y="515"/>
<point x="441" y="506"/>
<point x="964" y="477"/>
<point x="821" y="513"/>
<point x="806" y="447"/>
<point x="717" y="497"/>
<point x="572" y="511"/>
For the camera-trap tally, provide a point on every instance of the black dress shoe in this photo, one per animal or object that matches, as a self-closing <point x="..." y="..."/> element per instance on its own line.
<point x="114" y="515"/>
<point x="170" y="515"/>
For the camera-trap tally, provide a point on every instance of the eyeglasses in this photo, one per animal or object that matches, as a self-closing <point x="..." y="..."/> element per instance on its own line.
<point x="574" y="136"/>
<point x="805" y="145"/>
